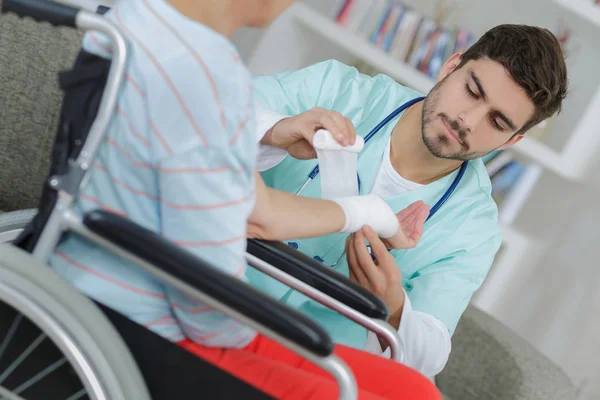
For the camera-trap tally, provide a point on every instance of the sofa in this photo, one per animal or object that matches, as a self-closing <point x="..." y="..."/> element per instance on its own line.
<point x="488" y="360"/>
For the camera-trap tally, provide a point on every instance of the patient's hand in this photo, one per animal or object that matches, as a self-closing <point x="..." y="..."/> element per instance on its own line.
<point x="411" y="221"/>
<point x="295" y="134"/>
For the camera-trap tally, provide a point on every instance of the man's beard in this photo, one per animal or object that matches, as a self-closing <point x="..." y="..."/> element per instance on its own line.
<point x="439" y="143"/>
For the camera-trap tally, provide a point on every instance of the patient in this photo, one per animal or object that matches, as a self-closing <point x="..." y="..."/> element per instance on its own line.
<point x="185" y="120"/>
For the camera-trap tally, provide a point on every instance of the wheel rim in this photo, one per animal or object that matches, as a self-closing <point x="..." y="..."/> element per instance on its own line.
<point x="14" y="291"/>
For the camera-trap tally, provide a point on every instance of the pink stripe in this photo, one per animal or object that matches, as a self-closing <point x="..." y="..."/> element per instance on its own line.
<point x="99" y="43"/>
<point x="164" y="320"/>
<point x="166" y="78"/>
<point x="199" y="207"/>
<point x="136" y="163"/>
<point x="160" y="138"/>
<point x="197" y="170"/>
<point x="107" y="278"/>
<point x="240" y="128"/>
<point x="135" y="85"/>
<point x="197" y="310"/>
<point x="240" y="271"/>
<point x="102" y="206"/>
<point x="142" y="139"/>
<point x="213" y="85"/>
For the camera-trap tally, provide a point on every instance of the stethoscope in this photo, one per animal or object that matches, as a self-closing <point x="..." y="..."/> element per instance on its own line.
<point x="313" y="174"/>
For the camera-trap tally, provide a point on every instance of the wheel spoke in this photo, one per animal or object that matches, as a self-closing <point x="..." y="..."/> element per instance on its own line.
<point x="22" y="357"/>
<point x="11" y="332"/>
<point x="39" y="376"/>
<point x="6" y="394"/>
<point x="78" y="395"/>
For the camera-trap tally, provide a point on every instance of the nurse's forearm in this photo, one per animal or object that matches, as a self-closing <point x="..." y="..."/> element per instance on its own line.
<point x="279" y="215"/>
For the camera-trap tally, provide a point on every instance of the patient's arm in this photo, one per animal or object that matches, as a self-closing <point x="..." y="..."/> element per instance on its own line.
<point x="279" y="215"/>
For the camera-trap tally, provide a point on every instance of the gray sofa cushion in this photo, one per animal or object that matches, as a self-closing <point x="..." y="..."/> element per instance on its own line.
<point x="31" y="55"/>
<point x="489" y="361"/>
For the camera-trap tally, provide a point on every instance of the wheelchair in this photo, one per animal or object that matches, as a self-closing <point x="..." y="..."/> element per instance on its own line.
<point x="55" y="343"/>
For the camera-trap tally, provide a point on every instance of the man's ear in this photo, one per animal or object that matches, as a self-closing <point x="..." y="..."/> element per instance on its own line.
<point x="512" y="141"/>
<point x="450" y="65"/>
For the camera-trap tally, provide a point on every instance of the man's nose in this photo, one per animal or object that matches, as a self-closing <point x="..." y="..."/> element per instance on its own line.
<point x="470" y="118"/>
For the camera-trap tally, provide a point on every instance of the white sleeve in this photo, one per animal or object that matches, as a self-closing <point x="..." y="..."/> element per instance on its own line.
<point x="426" y="341"/>
<point x="267" y="156"/>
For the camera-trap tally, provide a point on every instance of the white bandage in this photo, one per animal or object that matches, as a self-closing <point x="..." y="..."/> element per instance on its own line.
<point x="338" y="169"/>
<point x="369" y="210"/>
<point x="337" y="165"/>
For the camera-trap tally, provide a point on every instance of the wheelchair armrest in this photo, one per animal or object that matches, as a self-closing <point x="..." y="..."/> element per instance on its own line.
<point x="324" y="279"/>
<point x="230" y="291"/>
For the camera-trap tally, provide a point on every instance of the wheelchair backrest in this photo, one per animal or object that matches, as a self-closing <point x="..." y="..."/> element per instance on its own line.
<point x="83" y="86"/>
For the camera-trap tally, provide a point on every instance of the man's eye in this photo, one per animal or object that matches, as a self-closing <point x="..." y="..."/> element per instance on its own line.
<point x="497" y="125"/>
<point x="471" y="93"/>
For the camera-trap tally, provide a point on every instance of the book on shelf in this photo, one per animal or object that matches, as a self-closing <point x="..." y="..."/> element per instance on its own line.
<point x="402" y="32"/>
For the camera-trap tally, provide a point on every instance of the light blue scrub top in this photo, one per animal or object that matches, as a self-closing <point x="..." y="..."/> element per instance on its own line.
<point x="459" y="242"/>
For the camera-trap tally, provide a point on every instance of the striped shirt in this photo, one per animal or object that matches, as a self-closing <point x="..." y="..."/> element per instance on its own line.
<point x="178" y="159"/>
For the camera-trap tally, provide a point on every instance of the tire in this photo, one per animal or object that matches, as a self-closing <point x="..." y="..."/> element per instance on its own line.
<point x="12" y="223"/>
<point x="77" y="327"/>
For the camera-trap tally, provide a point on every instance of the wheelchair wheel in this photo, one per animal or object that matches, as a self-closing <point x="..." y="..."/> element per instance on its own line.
<point x="54" y="342"/>
<point x="12" y="223"/>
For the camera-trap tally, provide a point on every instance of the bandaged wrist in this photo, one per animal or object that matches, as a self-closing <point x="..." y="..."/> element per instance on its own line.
<point x="369" y="210"/>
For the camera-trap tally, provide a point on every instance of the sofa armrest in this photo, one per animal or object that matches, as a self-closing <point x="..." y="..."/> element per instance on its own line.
<point x="490" y="361"/>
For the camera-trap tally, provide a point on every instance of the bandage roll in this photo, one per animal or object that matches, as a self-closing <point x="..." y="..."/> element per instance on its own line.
<point x="337" y="165"/>
<point x="324" y="140"/>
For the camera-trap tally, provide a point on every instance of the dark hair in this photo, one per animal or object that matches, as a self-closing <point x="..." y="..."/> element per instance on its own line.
<point x="534" y="59"/>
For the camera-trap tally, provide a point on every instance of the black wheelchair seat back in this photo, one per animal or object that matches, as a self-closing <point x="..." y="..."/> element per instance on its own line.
<point x="83" y="87"/>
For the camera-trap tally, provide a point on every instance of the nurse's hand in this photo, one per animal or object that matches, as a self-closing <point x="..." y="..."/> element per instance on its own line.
<point x="295" y="134"/>
<point x="382" y="277"/>
<point x="411" y="221"/>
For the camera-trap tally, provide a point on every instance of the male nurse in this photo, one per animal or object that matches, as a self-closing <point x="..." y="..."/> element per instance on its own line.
<point x="487" y="98"/>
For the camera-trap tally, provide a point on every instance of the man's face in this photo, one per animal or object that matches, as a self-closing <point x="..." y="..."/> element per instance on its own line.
<point x="266" y="11"/>
<point x="474" y="110"/>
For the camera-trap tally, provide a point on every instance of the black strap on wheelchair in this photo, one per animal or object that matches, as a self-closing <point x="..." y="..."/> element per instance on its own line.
<point x="83" y="87"/>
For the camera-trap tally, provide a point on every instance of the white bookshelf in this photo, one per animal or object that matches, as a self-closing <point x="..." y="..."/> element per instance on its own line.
<point x="570" y="163"/>
<point x="361" y="48"/>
